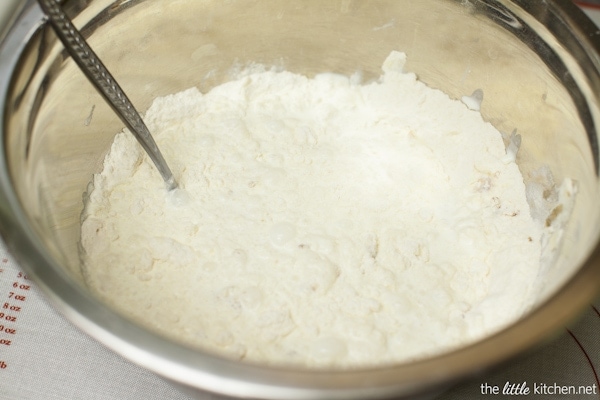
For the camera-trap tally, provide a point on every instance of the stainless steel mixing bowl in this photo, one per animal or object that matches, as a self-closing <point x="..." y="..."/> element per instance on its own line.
<point x="536" y="61"/>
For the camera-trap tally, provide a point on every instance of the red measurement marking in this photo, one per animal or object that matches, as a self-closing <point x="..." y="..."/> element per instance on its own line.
<point x="9" y="318"/>
<point x="22" y="276"/>
<point x="586" y="356"/>
<point x="21" y="286"/>
<point x="587" y="4"/>
<point x="5" y="329"/>
<point x="13" y="295"/>
<point x="8" y="306"/>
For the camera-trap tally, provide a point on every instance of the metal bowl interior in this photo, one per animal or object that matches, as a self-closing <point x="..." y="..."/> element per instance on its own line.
<point x="536" y="61"/>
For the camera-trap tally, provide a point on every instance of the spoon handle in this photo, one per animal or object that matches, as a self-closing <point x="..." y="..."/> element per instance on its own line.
<point x="104" y="82"/>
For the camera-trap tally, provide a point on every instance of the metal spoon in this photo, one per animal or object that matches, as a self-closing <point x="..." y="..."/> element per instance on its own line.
<point x="106" y="85"/>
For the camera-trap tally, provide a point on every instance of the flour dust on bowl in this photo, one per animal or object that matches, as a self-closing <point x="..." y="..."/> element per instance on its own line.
<point x="377" y="198"/>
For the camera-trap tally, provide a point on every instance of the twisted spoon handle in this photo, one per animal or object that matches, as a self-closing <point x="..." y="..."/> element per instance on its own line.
<point x="104" y="82"/>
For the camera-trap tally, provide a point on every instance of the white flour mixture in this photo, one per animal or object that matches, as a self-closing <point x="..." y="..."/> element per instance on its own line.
<point x="321" y="221"/>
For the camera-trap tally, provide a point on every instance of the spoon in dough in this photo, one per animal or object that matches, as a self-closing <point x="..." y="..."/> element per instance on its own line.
<point x="105" y="84"/>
